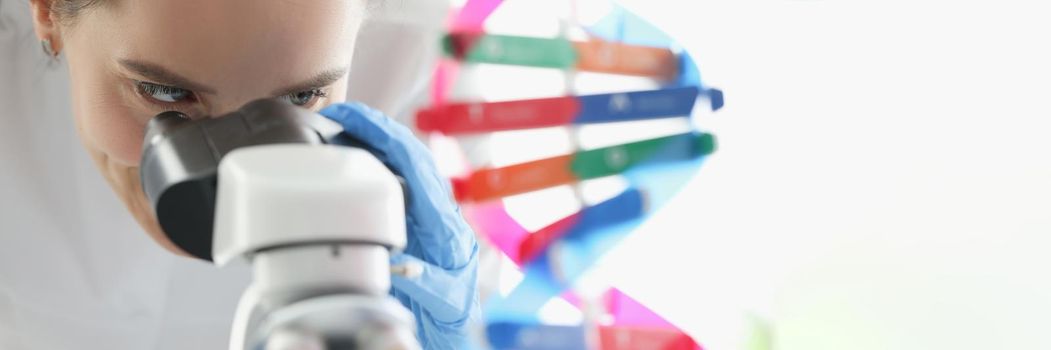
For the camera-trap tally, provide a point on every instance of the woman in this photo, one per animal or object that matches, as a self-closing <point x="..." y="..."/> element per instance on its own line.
<point x="73" y="274"/>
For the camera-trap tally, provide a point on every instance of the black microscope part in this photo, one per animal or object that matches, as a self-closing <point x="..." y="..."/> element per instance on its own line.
<point x="180" y="160"/>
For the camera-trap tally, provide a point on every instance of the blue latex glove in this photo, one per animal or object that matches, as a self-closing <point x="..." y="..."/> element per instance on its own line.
<point x="444" y="297"/>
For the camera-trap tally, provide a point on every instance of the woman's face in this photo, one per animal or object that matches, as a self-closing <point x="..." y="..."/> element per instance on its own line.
<point x="130" y="60"/>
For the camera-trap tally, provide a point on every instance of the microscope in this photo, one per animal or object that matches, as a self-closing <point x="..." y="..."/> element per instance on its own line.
<point x="317" y="221"/>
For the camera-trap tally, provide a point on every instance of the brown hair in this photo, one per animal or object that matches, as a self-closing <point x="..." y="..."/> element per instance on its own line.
<point x="67" y="10"/>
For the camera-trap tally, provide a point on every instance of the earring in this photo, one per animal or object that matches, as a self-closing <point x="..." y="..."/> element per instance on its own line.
<point x="48" y="50"/>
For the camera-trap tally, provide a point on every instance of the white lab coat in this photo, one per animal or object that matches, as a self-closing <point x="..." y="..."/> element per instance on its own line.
<point x="76" y="271"/>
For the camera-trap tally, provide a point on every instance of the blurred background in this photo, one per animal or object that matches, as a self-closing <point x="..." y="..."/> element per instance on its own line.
<point x="882" y="179"/>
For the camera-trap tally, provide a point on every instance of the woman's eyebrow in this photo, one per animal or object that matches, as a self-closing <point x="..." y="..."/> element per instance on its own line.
<point x="325" y="78"/>
<point x="161" y="75"/>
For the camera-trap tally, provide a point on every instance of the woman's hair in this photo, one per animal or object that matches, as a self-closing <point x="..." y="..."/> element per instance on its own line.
<point x="67" y="10"/>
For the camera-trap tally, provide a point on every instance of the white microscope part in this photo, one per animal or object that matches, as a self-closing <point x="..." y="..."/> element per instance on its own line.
<point x="318" y="224"/>
<point x="293" y="194"/>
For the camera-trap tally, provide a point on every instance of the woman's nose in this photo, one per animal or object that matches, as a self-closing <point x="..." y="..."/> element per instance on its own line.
<point x="230" y="105"/>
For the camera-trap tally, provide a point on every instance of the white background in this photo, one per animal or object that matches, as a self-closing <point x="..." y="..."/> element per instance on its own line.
<point x="883" y="179"/>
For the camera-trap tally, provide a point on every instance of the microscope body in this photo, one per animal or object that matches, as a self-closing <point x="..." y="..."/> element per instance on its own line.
<point x="317" y="222"/>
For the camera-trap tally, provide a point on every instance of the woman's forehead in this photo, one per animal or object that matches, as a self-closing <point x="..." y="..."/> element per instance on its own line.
<point x="235" y="41"/>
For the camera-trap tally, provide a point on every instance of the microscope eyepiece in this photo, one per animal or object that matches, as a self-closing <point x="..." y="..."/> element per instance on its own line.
<point x="180" y="160"/>
<point x="163" y="123"/>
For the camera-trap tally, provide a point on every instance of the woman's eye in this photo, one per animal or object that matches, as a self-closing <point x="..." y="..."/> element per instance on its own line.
<point x="303" y="98"/>
<point x="164" y="93"/>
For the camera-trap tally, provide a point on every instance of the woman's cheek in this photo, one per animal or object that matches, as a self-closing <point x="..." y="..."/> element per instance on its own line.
<point x="114" y="129"/>
<point x="105" y="118"/>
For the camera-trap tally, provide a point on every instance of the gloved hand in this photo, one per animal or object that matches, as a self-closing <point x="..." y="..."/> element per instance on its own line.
<point x="444" y="297"/>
